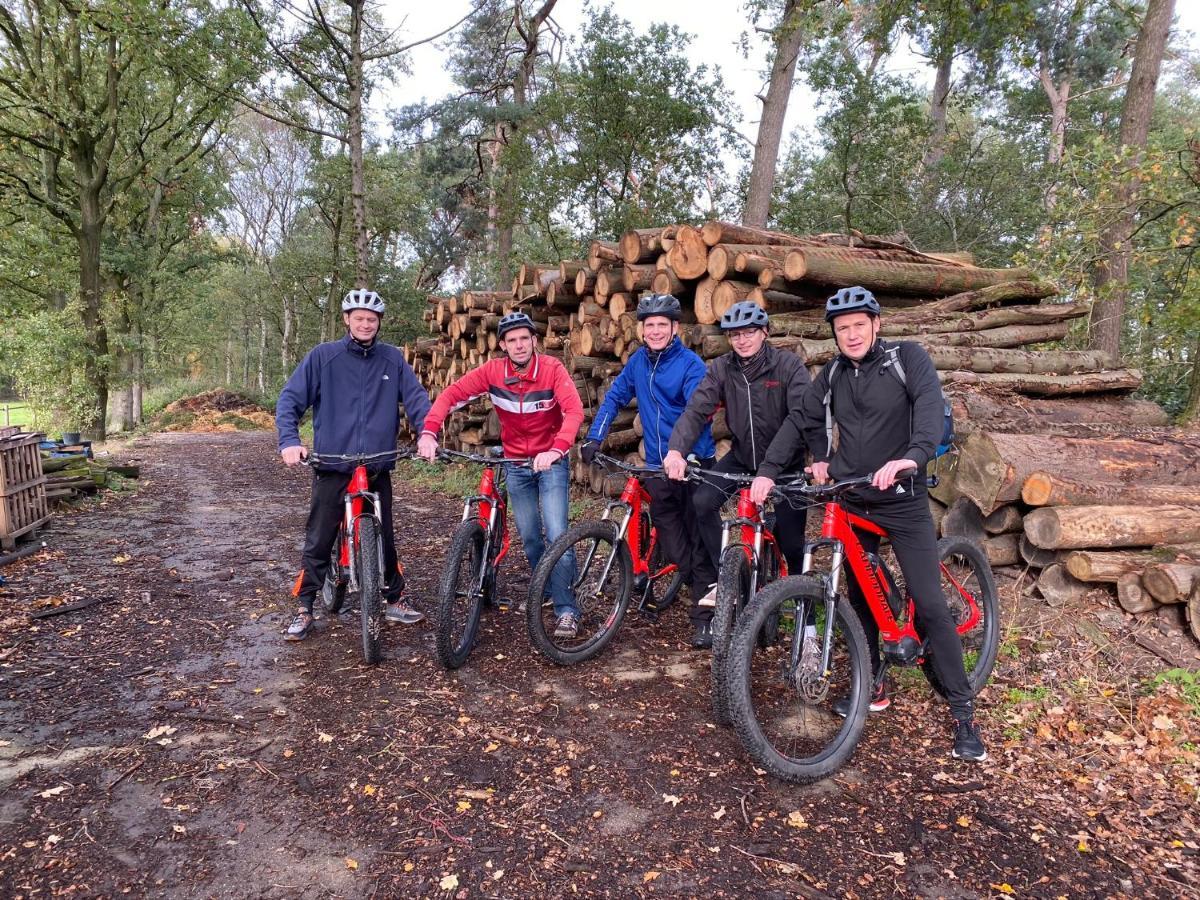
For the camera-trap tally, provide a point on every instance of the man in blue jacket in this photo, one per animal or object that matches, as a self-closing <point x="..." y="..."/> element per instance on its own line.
<point x="662" y="375"/>
<point x="354" y="387"/>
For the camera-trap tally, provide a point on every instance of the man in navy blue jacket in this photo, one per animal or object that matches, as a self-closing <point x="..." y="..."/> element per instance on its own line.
<point x="354" y="387"/>
<point x="662" y="375"/>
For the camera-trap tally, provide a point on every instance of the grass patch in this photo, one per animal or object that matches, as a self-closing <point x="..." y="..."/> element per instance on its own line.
<point x="16" y="413"/>
<point x="1187" y="681"/>
<point x="455" y="479"/>
<point x="1026" y="695"/>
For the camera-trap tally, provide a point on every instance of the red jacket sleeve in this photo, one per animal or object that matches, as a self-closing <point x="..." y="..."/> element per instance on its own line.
<point x="461" y="392"/>
<point x="571" y="406"/>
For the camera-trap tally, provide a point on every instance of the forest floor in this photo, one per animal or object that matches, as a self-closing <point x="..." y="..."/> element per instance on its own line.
<point x="166" y="742"/>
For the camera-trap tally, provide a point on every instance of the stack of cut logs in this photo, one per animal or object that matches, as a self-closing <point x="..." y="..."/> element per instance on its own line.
<point x="975" y="322"/>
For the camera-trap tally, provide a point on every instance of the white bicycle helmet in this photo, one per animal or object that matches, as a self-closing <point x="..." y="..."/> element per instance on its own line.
<point x="361" y="298"/>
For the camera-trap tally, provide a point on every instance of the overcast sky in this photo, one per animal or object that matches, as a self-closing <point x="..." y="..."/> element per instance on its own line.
<point x="716" y="27"/>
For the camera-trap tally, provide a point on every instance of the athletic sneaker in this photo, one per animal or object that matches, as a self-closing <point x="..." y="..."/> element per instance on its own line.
<point x="968" y="744"/>
<point x="300" y="627"/>
<point x="568" y="626"/>
<point x="403" y="612"/>
<point x="879" y="702"/>
<point x="702" y="638"/>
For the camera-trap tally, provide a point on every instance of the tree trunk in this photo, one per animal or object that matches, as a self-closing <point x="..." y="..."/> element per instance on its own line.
<point x="358" y="190"/>
<point x="1117" y="381"/>
<point x="1050" y="489"/>
<point x="1170" y="582"/>
<point x="788" y="37"/>
<point x="1058" y="587"/>
<point x="895" y="277"/>
<point x="1111" y="276"/>
<point x="95" y="365"/>
<point x="1110" y="565"/>
<point x="938" y="103"/>
<point x="688" y="256"/>
<point x="993" y="467"/>
<point x="1131" y="595"/>
<point x="715" y="232"/>
<point x="1193" y="612"/>
<point x="1081" y="527"/>
<point x="262" y="354"/>
<point x="1191" y="409"/>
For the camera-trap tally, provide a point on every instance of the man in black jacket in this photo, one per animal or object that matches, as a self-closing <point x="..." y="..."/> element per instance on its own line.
<point x="760" y="387"/>
<point x="890" y="424"/>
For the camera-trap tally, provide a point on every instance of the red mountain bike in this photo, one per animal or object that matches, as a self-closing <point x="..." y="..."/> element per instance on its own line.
<point x="782" y="704"/>
<point x="356" y="561"/>
<point x="750" y="560"/>
<point x="479" y="543"/>
<point x="612" y="557"/>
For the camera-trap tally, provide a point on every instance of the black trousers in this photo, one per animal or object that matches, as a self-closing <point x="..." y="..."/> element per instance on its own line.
<point x="325" y="517"/>
<point x="913" y="536"/>
<point x="674" y="518"/>
<point x="708" y="500"/>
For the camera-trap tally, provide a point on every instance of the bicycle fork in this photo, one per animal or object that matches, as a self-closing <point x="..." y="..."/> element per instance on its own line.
<point x="350" y="524"/>
<point x="627" y="512"/>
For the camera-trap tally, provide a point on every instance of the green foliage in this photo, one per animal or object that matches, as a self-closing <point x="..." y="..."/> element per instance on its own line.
<point x="42" y="354"/>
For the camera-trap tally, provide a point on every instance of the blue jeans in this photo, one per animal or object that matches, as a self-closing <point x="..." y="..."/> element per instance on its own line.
<point x="539" y="504"/>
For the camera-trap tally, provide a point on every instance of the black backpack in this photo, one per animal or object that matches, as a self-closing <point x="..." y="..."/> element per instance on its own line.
<point x="893" y="363"/>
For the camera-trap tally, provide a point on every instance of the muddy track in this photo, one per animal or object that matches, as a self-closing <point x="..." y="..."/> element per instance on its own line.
<point x="166" y="741"/>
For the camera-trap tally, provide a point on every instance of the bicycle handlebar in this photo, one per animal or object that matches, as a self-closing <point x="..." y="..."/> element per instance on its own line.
<point x="484" y="459"/>
<point x="314" y="459"/>
<point x="806" y="488"/>
<point x="610" y="462"/>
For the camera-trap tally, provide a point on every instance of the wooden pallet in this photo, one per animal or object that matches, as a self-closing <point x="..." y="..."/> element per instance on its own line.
<point x="23" y="505"/>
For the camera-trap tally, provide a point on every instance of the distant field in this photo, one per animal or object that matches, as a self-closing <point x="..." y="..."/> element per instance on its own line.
<point x="15" y="414"/>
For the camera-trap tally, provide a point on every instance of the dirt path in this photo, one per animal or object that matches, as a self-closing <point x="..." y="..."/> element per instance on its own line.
<point x="166" y="742"/>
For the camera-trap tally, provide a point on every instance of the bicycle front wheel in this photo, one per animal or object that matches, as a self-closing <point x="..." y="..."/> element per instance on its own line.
<point x="590" y="562"/>
<point x="795" y="721"/>
<point x="370" y="587"/>
<point x="965" y="572"/>
<point x="733" y="593"/>
<point x="460" y="600"/>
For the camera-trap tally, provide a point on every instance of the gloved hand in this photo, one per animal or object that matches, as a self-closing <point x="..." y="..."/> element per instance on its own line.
<point x="588" y="451"/>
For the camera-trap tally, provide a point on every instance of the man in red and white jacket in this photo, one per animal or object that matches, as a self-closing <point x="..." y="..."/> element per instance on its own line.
<point x="540" y="413"/>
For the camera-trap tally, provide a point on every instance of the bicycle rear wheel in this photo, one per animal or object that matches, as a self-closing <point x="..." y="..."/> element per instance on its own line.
<point x="461" y="595"/>
<point x="787" y="724"/>
<point x="661" y="592"/>
<point x="733" y="593"/>
<point x="965" y="572"/>
<point x="601" y="575"/>
<point x="333" y="591"/>
<point x="370" y="587"/>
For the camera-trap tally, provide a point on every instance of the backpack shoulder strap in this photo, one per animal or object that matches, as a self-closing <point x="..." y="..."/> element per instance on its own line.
<point x="831" y="370"/>
<point x="893" y="362"/>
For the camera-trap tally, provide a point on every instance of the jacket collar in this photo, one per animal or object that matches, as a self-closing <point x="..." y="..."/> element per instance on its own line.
<point x="513" y="375"/>
<point x="358" y="349"/>
<point x="673" y="346"/>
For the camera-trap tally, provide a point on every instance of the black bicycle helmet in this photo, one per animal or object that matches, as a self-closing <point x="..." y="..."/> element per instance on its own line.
<point x="746" y="314"/>
<point x="851" y="299"/>
<point x="514" y="320"/>
<point x="659" y="305"/>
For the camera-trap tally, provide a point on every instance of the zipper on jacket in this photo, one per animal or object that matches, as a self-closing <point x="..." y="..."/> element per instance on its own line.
<point x="750" y="410"/>
<point x="657" y="408"/>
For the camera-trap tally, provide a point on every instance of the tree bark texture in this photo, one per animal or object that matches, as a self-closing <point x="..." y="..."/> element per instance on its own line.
<point x="1081" y="527"/>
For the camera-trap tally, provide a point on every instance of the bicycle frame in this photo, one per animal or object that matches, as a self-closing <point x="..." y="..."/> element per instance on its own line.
<point x="897" y="634"/>
<point x="754" y="537"/>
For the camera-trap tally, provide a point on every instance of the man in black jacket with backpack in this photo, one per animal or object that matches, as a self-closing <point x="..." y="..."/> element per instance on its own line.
<point x="891" y="417"/>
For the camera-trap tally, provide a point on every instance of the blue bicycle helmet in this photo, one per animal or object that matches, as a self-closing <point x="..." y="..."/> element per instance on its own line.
<point x="746" y="314"/>
<point x="849" y="300"/>
<point x="515" y="320"/>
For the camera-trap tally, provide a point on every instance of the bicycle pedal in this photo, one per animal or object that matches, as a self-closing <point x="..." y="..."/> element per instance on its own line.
<point x="504" y="604"/>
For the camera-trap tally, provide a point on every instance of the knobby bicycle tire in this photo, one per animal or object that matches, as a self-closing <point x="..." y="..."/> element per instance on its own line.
<point x="606" y="611"/>
<point x="969" y="565"/>
<point x="756" y="686"/>
<point x="673" y="582"/>
<point x="333" y="591"/>
<point x="457" y="599"/>
<point x="370" y="587"/>
<point x="733" y="593"/>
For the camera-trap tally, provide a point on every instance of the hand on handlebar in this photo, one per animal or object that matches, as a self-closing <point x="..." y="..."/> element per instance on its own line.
<point x="675" y="465"/>
<point x="427" y="447"/>
<point x="819" y="472"/>
<point x="292" y="456"/>
<point x="543" y="461"/>
<point x="760" y="489"/>
<point x="886" y="476"/>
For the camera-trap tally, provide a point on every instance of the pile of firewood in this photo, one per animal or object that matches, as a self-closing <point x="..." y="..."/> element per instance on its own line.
<point x="1022" y="414"/>
<point x="1088" y="493"/>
